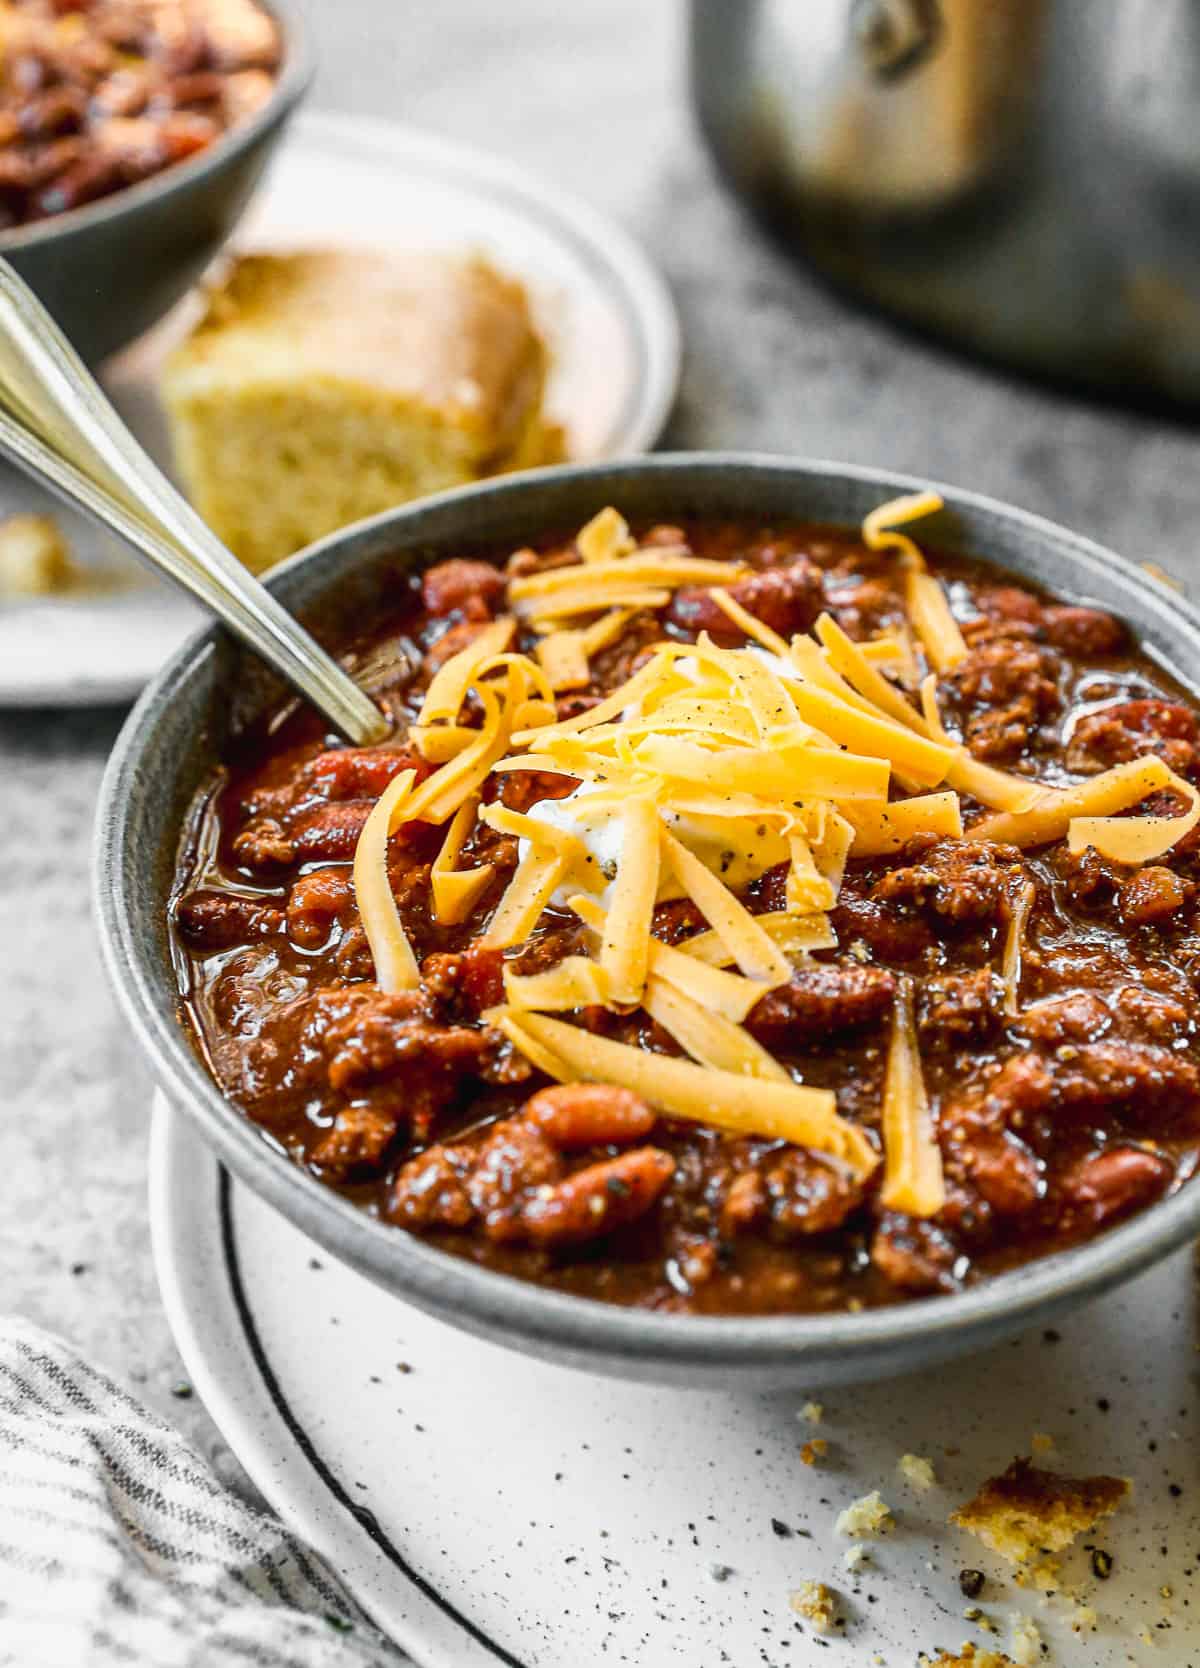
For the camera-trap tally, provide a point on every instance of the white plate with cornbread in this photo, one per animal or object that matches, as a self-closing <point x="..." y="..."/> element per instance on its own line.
<point x="398" y="315"/>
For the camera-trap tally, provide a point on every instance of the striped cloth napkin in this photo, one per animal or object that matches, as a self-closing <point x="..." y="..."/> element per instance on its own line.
<point x="118" y="1545"/>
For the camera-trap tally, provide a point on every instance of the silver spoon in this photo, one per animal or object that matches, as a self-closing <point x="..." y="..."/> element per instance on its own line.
<point x="57" y="425"/>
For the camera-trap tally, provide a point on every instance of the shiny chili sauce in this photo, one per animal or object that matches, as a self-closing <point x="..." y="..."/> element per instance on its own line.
<point x="1055" y="1121"/>
<point x="96" y="95"/>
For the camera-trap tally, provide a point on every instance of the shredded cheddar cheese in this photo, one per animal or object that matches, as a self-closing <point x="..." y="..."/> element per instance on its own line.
<point x="604" y="537"/>
<point x="912" y="1175"/>
<point x="724" y="1100"/>
<point x="928" y="611"/>
<point x="457" y="891"/>
<point x="708" y="771"/>
<point x="395" y="965"/>
<point x="562" y="655"/>
<point x="1014" y="945"/>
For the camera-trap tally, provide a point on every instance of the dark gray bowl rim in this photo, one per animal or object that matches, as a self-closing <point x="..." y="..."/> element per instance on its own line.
<point x="296" y="72"/>
<point x="447" y="1285"/>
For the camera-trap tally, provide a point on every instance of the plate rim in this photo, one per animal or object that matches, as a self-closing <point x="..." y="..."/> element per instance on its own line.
<point x="266" y="1459"/>
<point x="635" y="283"/>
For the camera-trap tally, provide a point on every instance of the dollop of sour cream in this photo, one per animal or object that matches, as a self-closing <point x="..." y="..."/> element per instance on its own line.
<point x="598" y="827"/>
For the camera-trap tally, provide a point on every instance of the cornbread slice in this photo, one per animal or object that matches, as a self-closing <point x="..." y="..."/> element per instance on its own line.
<point x="324" y="386"/>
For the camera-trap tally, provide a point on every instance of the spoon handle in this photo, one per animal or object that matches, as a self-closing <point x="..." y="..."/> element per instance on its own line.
<point x="57" y="425"/>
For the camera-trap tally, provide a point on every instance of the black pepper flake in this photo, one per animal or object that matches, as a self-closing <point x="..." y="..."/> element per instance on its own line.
<point x="339" y="1624"/>
<point x="1103" y="1403"/>
<point x="79" y="1268"/>
<point x="1174" y="1490"/>
<point x="780" y="1528"/>
<point x="1050" y="1336"/>
<point x="970" y="1583"/>
<point x="1102" y="1563"/>
<point x="182" y="1391"/>
<point x="404" y="1366"/>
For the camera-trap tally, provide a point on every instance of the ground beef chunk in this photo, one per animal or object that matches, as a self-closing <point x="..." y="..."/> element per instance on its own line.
<point x="820" y="999"/>
<point x="806" y="1196"/>
<point x="889" y="935"/>
<point x="997" y="1165"/>
<point x="263" y="845"/>
<point x="1005" y="605"/>
<point x="356" y="1142"/>
<point x="1153" y="897"/>
<point x="219" y="920"/>
<point x="960" y="880"/>
<point x="1089" y="1081"/>
<point x="1131" y="729"/>
<point x="548" y="947"/>
<point x="314" y="903"/>
<point x="1005" y="687"/>
<point x="865" y="609"/>
<point x="957" y="1008"/>
<point x="1144" y="1013"/>
<point x="793" y="1194"/>
<point x="1109" y="1184"/>
<point x="519" y="789"/>
<point x="915" y="1255"/>
<point x="464" y="984"/>
<point x="676" y="921"/>
<point x="787" y="599"/>
<point x="1075" y="630"/>
<point x="1076" y="1017"/>
<point x="451" y="642"/>
<point x="471" y="589"/>
<point x="383" y="1037"/>
<point x="1087" y="878"/>
<point x="353" y="956"/>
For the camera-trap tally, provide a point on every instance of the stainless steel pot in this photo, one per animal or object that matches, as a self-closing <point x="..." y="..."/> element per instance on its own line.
<point x="1021" y="177"/>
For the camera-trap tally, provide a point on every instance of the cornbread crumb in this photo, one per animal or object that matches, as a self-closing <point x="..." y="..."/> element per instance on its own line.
<point x="1026" y="1641"/>
<point x="856" y="1556"/>
<point x="917" y="1471"/>
<point x="814" y="1412"/>
<point x="870" y="1515"/>
<point x="981" y="1619"/>
<point x="969" y="1656"/>
<point x="1084" y="1619"/>
<point x="35" y="560"/>
<point x="1042" y="1443"/>
<point x="812" y="1451"/>
<point x="818" y="1604"/>
<point x="1027" y="1515"/>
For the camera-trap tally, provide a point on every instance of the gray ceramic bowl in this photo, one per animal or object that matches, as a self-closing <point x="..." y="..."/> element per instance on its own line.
<point x="175" y="734"/>
<point x="111" y="269"/>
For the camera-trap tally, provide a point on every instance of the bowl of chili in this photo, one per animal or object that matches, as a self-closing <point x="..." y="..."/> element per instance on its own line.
<point x="131" y="141"/>
<point x="967" y="1102"/>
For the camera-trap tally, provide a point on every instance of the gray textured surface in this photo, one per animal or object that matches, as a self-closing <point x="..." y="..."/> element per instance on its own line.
<point x="590" y="96"/>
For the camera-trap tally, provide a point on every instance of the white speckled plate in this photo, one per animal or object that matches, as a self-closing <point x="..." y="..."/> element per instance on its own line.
<point x="604" y="309"/>
<point x="487" y="1508"/>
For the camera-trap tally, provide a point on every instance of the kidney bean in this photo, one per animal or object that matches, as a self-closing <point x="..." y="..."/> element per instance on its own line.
<point x="1114" y="1182"/>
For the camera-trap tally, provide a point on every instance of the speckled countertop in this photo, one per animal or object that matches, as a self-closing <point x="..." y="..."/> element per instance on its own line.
<point x="591" y="96"/>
